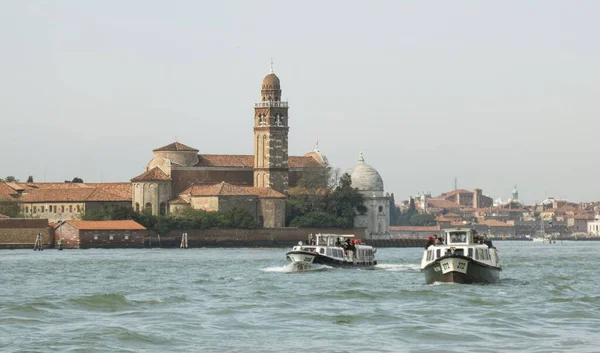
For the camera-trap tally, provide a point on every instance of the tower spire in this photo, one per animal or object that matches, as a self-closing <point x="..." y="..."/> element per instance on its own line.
<point x="271" y="71"/>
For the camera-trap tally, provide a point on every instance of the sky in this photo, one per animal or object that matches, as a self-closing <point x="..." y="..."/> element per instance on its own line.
<point x="491" y="94"/>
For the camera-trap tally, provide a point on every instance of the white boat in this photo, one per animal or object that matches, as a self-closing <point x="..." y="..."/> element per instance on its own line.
<point x="333" y="250"/>
<point x="463" y="257"/>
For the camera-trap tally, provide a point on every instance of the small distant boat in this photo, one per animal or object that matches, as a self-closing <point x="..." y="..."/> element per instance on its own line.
<point x="463" y="257"/>
<point x="333" y="250"/>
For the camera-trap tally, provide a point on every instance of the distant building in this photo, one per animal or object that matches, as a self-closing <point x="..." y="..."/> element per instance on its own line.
<point x="179" y="177"/>
<point x="593" y="227"/>
<point x="100" y="234"/>
<point x="465" y="198"/>
<point x="370" y="184"/>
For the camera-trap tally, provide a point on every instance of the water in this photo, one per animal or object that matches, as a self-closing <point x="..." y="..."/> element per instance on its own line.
<point x="247" y="300"/>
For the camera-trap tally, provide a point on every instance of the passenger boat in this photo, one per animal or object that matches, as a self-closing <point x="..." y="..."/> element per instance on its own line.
<point x="333" y="250"/>
<point x="462" y="257"/>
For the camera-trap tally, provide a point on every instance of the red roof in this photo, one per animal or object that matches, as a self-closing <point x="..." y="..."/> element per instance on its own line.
<point x="175" y="147"/>
<point x="5" y="189"/>
<point x="86" y="194"/>
<point x="106" y="225"/>
<point x="437" y="203"/>
<point x="153" y="174"/>
<point x="495" y="223"/>
<point x="226" y="189"/>
<point x="247" y="161"/>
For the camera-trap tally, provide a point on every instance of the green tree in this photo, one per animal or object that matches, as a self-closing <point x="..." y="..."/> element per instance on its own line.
<point x="9" y="179"/>
<point x="10" y="207"/>
<point x="422" y="219"/>
<point x="30" y="179"/>
<point x="111" y="212"/>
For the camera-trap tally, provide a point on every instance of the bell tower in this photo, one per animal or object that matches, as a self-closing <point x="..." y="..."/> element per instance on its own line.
<point x="271" y="137"/>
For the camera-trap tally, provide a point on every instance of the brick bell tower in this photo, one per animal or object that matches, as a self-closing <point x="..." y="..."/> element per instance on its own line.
<point x="271" y="137"/>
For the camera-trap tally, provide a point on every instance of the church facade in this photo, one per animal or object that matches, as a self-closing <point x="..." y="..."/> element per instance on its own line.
<point x="180" y="177"/>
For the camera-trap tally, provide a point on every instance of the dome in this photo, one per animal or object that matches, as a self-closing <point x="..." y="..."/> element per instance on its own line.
<point x="366" y="178"/>
<point x="271" y="81"/>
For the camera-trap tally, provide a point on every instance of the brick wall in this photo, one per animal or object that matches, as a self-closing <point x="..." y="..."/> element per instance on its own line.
<point x="112" y="238"/>
<point x="22" y="233"/>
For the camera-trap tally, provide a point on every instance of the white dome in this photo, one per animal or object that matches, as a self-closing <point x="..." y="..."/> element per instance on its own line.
<point x="366" y="178"/>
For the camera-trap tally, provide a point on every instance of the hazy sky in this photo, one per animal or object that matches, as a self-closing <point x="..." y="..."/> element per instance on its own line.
<point x="495" y="93"/>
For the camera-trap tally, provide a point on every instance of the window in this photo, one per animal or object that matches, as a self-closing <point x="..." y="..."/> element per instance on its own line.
<point x="70" y="208"/>
<point x="126" y="237"/>
<point x="470" y="253"/>
<point x="27" y="209"/>
<point x="54" y="208"/>
<point x="137" y="207"/>
<point x="95" y="237"/>
<point x="380" y="209"/>
<point x="163" y="208"/>
<point x="34" y="208"/>
<point x="148" y="207"/>
<point x="62" y="208"/>
<point x="111" y="237"/>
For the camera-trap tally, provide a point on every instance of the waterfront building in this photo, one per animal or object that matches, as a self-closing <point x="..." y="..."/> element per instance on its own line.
<point x="99" y="234"/>
<point x="370" y="184"/>
<point x="180" y="177"/>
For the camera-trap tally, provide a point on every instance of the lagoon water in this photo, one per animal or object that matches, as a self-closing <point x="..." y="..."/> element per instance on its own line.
<point x="247" y="300"/>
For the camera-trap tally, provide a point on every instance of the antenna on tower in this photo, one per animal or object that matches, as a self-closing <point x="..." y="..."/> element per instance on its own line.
<point x="455" y="183"/>
<point x="271" y="66"/>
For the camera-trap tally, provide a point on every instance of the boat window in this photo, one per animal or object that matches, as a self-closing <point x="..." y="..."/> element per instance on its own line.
<point x="458" y="237"/>
<point x="438" y="252"/>
<point x="470" y="252"/>
<point x="459" y="251"/>
<point x="476" y="257"/>
<point x="322" y="250"/>
<point x="329" y="253"/>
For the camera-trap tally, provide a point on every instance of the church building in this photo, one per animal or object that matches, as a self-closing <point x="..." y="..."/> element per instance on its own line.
<point x="180" y="177"/>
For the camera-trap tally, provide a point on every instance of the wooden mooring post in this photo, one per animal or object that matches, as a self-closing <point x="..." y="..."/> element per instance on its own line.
<point x="39" y="242"/>
<point x="184" y="241"/>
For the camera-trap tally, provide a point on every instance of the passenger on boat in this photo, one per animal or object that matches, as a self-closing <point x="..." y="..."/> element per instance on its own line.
<point x="430" y="241"/>
<point x="488" y="242"/>
<point x="436" y="240"/>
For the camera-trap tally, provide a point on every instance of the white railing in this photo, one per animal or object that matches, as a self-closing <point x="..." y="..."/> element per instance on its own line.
<point x="268" y="104"/>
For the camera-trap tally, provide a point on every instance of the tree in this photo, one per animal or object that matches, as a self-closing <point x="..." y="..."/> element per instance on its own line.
<point x="75" y="180"/>
<point x="9" y="179"/>
<point x="422" y="219"/>
<point x="327" y="208"/>
<point x="111" y="212"/>
<point x="9" y="206"/>
<point x="30" y="179"/>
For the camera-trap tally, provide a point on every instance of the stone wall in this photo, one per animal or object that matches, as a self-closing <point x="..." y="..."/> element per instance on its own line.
<point x="263" y="237"/>
<point x="18" y="233"/>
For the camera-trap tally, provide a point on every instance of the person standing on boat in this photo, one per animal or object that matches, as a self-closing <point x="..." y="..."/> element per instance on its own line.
<point x="430" y="241"/>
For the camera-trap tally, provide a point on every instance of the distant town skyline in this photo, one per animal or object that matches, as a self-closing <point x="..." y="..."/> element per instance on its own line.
<point x="493" y="94"/>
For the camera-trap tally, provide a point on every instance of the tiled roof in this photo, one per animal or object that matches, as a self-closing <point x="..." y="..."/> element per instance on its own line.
<point x="226" y="189"/>
<point x="153" y="174"/>
<point x="225" y="160"/>
<point x="5" y="189"/>
<point x="179" y="201"/>
<point x="175" y="146"/>
<point x="454" y="192"/>
<point x="247" y="161"/>
<point x="267" y="193"/>
<point x="106" y="225"/>
<point x="88" y="194"/>
<point x="442" y="203"/>
<point x="414" y="228"/>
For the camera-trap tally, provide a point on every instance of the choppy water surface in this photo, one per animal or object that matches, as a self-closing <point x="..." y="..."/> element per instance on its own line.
<point x="247" y="300"/>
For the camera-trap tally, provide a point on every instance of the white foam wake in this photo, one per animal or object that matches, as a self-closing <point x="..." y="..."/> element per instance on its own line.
<point x="398" y="267"/>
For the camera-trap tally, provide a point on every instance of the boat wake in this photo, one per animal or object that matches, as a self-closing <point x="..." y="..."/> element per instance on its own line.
<point x="293" y="267"/>
<point x="398" y="267"/>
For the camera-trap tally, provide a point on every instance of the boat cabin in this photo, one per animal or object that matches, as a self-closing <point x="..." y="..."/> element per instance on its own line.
<point x="465" y="242"/>
<point x="343" y="247"/>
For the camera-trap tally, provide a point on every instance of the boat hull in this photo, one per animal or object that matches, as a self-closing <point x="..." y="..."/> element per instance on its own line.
<point x="304" y="259"/>
<point x="460" y="269"/>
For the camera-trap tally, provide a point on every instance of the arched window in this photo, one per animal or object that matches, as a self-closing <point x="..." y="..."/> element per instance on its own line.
<point x="148" y="207"/>
<point x="163" y="208"/>
<point x="137" y="207"/>
<point x="78" y="208"/>
<point x="70" y="208"/>
<point x="380" y="209"/>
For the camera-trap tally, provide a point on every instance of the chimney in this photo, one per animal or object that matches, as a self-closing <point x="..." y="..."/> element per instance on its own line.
<point x="477" y="198"/>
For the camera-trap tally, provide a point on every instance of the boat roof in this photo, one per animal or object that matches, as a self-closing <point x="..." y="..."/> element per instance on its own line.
<point x="460" y="229"/>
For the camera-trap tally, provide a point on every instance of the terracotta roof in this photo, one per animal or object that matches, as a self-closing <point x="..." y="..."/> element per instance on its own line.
<point x="5" y="189"/>
<point x="72" y="194"/>
<point x="179" y="201"/>
<point x="414" y="228"/>
<point x="175" y="146"/>
<point x="247" y="161"/>
<point x="225" y="160"/>
<point x="454" y="192"/>
<point x="438" y="203"/>
<point x="106" y="225"/>
<point x="153" y="174"/>
<point x="226" y="189"/>
<point x="267" y="193"/>
<point x="3" y="216"/>
<point x="583" y="216"/>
